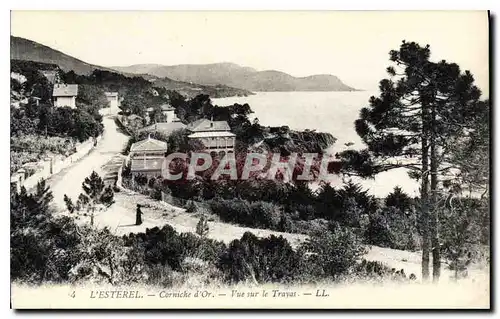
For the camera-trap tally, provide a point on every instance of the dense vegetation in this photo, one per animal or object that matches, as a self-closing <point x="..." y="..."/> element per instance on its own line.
<point x="50" y="249"/>
<point x="393" y="222"/>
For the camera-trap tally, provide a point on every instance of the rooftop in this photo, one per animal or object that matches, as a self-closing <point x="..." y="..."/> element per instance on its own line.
<point x="165" y="128"/>
<point x="149" y="144"/>
<point x="167" y="107"/>
<point x="65" y="90"/>
<point x="204" y="125"/>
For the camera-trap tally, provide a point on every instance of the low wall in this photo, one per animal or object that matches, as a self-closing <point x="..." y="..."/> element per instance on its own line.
<point x="123" y="127"/>
<point x="59" y="163"/>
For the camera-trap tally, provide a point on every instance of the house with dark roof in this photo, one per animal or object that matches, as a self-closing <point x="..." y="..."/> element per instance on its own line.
<point x="65" y="95"/>
<point x="216" y="136"/>
<point x="147" y="156"/>
<point x="164" y="128"/>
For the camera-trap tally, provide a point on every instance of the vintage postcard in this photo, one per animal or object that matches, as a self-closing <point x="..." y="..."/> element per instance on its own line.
<point x="253" y="159"/>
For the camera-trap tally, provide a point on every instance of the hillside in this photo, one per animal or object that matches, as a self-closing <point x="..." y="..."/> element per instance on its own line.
<point x="27" y="50"/>
<point x="238" y="76"/>
<point x="24" y="49"/>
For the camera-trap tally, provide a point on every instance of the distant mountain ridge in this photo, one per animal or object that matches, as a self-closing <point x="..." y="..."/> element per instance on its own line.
<point x="27" y="50"/>
<point x="234" y="75"/>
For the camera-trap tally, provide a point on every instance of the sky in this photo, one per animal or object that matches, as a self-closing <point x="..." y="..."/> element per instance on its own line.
<point x="351" y="45"/>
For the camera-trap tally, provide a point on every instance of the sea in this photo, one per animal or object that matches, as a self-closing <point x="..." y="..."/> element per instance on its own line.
<point x="332" y="112"/>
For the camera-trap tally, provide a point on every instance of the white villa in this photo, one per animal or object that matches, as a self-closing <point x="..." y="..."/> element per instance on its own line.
<point x="167" y="111"/>
<point x="65" y="95"/>
<point x="114" y="102"/>
<point x="216" y="136"/>
<point x="147" y="157"/>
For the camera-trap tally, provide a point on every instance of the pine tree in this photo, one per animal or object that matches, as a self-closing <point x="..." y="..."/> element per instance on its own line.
<point x="399" y="200"/>
<point x="202" y="227"/>
<point x="94" y="194"/>
<point x="421" y="109"/>
<point x="69" y="204"/>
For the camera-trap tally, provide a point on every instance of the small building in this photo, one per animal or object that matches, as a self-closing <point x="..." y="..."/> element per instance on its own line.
<point x="168" y="112"/>
<point x="216" y="136"/>
<point x="164" y="128"/>
<point x="147" y="157"/>
<point x="114" y="102"/>
<point x="65" y="95"/>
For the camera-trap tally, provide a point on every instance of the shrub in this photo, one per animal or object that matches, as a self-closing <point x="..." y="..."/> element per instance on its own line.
<point x="158" y="274"/>
<point x="335" y="252"/>
<point x="43" y="248"/>
<point x="43" y="145"/>
<point x="263" y="260"/>
<point x="372" y="270"/>
<point x="463" y="241"/>
<point x="202" y="228"/>
<point x="252" y="214"/>
<point x="400" y="200"/>
<point x="202" y="248"/>
<point x="162" y="246"/>
<point x="390" y="227"/>
<point x="141" y="179"/>
<point x="191" y="207"/>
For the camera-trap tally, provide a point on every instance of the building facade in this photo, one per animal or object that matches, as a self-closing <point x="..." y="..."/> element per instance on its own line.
<point x="65" y="95"/>
<point x="216" y="136"/>
<point x="168" y="113"/>
<point x="147" y="156"/>
<point x="114" y="102"/>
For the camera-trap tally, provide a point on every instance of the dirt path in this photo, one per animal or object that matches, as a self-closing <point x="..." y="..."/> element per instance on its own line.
<point x="69" y="181"/>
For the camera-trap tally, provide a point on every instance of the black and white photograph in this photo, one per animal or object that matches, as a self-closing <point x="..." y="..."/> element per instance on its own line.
<point x="250" y="159"/>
